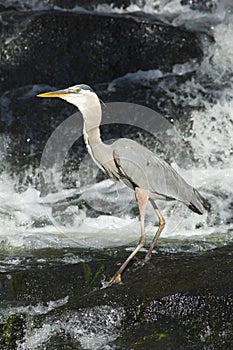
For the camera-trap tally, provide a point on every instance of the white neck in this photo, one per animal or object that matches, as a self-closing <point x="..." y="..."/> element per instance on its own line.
<point x="91" y="131"/>
<point x="90" y="108"/>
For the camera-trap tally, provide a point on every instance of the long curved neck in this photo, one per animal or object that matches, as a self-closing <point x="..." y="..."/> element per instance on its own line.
<point x="90" y="108"/>
<point x="91" y="132"/>
<point x="91" y="136"/>
<point x="99" y="151"/>
<point x="92" y="118"/>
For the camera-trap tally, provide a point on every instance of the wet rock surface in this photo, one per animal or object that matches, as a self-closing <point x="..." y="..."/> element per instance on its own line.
<point x="61" y="48"/>
<point x="186" y="300"/>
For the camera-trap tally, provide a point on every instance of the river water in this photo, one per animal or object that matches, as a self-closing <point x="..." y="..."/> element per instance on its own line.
<point x="31" y="224"/>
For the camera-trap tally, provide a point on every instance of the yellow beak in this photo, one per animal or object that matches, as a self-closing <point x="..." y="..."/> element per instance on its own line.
<point x="59" y="93"/>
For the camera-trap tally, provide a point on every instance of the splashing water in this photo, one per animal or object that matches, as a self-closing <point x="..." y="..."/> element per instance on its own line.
<point x="92" y="328"/>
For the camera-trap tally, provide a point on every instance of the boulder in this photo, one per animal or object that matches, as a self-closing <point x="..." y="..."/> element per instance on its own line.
<point x="181" y="300"/>
<point x="63" y="48"/>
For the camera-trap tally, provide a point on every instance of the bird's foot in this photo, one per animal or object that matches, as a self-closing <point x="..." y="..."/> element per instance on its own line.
<point x="116" y="279"/>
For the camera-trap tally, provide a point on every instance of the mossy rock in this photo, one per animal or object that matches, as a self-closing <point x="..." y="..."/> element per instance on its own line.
<point x="12" y="331"/>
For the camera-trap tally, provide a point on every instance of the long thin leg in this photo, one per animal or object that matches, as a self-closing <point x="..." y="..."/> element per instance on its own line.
<point x="142" y="198"/>
<point x="160" y="229"/>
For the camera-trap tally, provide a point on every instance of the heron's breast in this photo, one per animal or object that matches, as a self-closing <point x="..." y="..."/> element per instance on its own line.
<point x="103" y="157"/>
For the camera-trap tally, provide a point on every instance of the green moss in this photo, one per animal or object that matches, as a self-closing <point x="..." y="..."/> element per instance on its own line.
<point x="152" y="337"/>
<point x="161" y="336"/>
<point x="90" y="279"/>
<point x="12" y="332"/>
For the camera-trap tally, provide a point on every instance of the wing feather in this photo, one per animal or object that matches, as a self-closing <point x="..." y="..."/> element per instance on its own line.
<point x="144" y="169"/>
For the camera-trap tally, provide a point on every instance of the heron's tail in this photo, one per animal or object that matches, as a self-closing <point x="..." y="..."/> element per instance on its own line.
<point x="198" y="204"/>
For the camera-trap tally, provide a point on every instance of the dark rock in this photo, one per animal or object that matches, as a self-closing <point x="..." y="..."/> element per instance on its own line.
<point x="29" y="121"/>
<point x="60" y="49"/>
<point x="12" y="331"/>
<point x="181" y="300"/>
<point x="152" y="93"/>
<point x="90" y="5"/>
<point x="6" y="8"/>
<point x="69" y="4"/>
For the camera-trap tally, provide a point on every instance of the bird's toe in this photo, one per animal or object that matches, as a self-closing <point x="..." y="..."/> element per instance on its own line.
<point x="116" y="279"/>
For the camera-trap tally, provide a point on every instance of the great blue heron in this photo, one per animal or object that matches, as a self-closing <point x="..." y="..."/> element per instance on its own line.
<point x="149" y="176"/>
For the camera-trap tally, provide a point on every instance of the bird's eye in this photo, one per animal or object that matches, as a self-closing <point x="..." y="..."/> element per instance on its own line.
<point x="75" y="90"/>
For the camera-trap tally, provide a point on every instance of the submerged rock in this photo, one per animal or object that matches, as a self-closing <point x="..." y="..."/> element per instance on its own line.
<point x="181" y="300"/>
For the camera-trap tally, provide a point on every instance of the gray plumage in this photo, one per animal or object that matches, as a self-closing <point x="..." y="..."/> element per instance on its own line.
<point x="149" y="176"/>
<point x="148" y="171"/>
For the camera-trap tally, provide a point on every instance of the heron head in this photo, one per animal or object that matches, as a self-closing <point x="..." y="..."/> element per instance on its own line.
<point x="81" y="95"/>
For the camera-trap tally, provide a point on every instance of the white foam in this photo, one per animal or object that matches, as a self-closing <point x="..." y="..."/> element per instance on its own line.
<point x="24" y="209"/>
<point x="32" y="310"/>
<point x="93" y="328"/>
<point x="139" y="76"/>
<point x="174" y="11"/>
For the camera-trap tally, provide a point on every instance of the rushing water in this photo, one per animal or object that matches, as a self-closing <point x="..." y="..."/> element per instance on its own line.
<point x="29" y="222"/>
